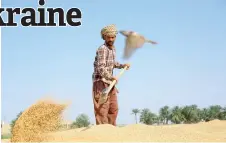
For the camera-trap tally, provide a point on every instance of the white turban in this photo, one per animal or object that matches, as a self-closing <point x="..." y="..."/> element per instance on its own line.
<point x="109" y="30"/>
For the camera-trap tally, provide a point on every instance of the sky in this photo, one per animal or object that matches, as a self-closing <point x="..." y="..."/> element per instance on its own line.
<point x="188" y="66"/>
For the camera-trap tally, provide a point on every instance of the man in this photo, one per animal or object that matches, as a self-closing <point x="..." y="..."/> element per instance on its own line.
<point x="104" y="65"/>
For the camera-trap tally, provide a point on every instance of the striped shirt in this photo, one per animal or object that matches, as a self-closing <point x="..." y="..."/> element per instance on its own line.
<point x="104" y="64"/>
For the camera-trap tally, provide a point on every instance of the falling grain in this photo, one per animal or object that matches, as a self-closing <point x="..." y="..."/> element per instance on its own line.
<point x="40" y="119"/>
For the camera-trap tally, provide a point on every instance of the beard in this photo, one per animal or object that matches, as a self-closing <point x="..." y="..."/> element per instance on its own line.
<point x="110" y="43"/>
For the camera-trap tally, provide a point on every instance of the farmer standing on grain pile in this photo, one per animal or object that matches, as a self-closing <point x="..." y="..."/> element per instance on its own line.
<point x="104" y="65"/>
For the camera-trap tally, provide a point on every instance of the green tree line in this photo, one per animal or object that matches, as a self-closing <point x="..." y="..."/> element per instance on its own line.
<point x="178" y="115"/>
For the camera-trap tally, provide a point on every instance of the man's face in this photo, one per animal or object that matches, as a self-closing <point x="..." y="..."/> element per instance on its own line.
<point x="110" y="40"/>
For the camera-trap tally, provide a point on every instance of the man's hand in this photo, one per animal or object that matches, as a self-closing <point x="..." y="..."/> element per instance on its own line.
<point x="114" y="78"/>
<point x="126" y="65"/>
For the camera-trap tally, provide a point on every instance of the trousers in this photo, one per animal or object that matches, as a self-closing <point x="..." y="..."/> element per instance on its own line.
<point x="107" y="112"/>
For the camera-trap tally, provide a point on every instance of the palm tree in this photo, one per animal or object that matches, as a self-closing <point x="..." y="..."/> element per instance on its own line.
<point x="204" y="114"/>
<point x="222" y="115"/>
<point x="214" y="112"/>
<point x="164" y="114"/>
<point x="135" y="112"/>
<point x="191" y="114"/>
<point x="147" y="117"/>
<point x="176" y="115"/>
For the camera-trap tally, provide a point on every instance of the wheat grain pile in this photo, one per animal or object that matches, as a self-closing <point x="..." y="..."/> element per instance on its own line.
<point x="38" y="120"/>
<point x="40" y="123"/>
<point x="213" y="131"/>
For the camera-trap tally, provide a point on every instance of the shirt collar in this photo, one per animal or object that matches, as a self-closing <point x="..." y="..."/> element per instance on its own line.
<point x="109" y="47"/>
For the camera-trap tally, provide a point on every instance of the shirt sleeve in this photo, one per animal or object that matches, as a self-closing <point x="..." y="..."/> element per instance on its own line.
<point x="118" y="65"/>
<point x="101" y="61"/>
